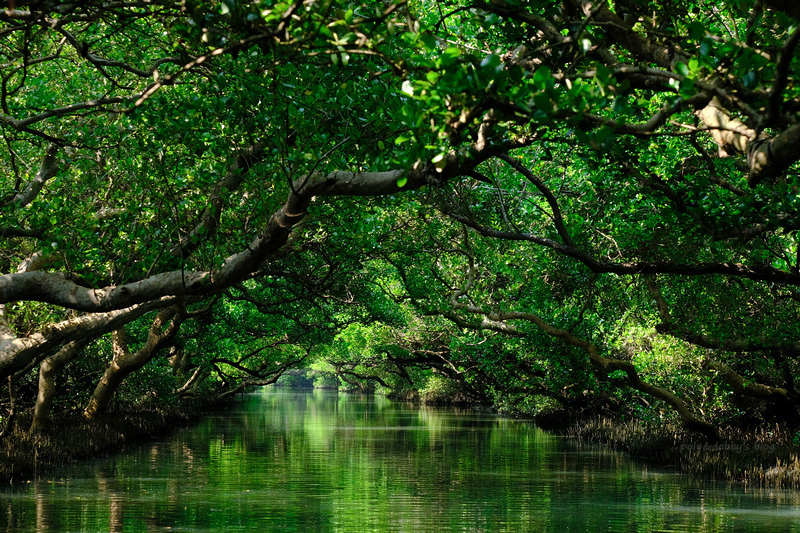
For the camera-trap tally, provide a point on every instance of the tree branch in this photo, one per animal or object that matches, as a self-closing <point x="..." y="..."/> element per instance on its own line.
<point x="48" y="169"/>
<point x="601" y="363"/>
<point x="733" y="344"/>
<point x="17" y="353"/>
<point x="756" y="272"/>
<point x="558" y="219"/>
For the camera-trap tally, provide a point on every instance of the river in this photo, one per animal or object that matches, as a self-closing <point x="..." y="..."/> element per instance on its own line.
<point x="322" y="461"/>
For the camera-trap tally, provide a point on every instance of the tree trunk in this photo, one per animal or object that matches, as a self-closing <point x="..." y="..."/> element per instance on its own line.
<point x="48" y="370"/>
<point x="12" y="414"/>
<point x="124" y="362"/>
<point x="104" y="392"/>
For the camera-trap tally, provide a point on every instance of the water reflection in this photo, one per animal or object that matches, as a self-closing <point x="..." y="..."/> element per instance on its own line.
<point x="327" y="462"/>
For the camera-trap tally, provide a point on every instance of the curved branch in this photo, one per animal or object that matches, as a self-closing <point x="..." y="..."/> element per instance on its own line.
<point x="47" y="381"/>
<point x="261" y="378"/>
<point x="748" y="388"/>
<point x="737" y="344"/>
<point x="760" y="272"/>
<point x="341" y="371"/>
<point x="775" y="395"/>
<point x="54" y="288"/>
<point x="17" y="353"/>
<point x="623" y="35"/>
<point x="209" y="220"/>
<point x="766" y="157"/>
<point x="558" y="219"/>
<point x="162" y="330"/>
<point x="100" y="62"/>
<point x="22" y="125"/>
<point x="48" y="169"/>
<point x="781" y="75"/>
<point x="600" y="362"/>
<point x="607" y="366"/>
<point x="188" y="385"/>
<point x="769" y="158"/>
<point x="8" y="232"/>
<point x="655" y="122"/>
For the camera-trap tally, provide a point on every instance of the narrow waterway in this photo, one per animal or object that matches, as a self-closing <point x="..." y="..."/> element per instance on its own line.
<point x="322" y="461"/>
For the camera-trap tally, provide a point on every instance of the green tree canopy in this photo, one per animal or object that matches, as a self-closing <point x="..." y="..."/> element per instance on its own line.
<point x="563" y="172"/>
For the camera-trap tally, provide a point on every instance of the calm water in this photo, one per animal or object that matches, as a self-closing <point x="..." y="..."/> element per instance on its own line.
<point x="320" y="461"/>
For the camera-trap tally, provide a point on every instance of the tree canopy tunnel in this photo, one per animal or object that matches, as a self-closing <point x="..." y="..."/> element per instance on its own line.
<point x="612" y="180"/>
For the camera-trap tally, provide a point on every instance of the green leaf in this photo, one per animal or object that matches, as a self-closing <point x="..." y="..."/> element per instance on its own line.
<point x="542" y="78"/>
<point x="402" y="182"/>
<point x="449" y="56"/>
<point x="697" y="30"/>
<point x="491" y="61"/>
<point x="428" y="41"/>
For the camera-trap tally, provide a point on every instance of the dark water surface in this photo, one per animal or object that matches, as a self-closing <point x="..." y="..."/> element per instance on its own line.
<point x="322" y="461"/>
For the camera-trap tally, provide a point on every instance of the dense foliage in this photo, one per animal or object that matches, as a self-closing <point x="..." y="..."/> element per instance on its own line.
<point x="536" y="203"/>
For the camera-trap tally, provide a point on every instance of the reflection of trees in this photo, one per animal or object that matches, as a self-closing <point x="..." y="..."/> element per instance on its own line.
<point x="42" y="498"/>
<point x="107" y="486"/>
<point x="328" y="461"/>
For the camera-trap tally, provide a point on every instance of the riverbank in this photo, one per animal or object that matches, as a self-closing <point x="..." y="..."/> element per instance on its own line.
<point x="763" y="456"/>
<point x="25" y="456"/>
<point x="766" y="456"/>
<point x="760" y="457"/>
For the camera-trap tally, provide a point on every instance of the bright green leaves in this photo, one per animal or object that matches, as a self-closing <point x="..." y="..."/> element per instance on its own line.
<point x="402" y="138"/>
<point x="543" y="79"/>
<point x="717" y="52"/>
<point x="449" y="56"/>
